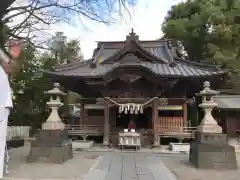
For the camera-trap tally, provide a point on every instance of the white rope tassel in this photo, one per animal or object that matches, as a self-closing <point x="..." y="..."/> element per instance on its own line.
<point x="128" y="107"/>
<point x="135" y="108"/>
<point x="121" y="108"/>
<point x="125" y="109"/>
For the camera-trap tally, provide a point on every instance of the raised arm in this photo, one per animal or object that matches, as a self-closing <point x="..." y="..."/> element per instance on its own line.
<point x="10" y="66"/>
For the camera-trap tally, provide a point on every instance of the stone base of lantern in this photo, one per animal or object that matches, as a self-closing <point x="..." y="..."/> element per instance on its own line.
<point x="211" y="151"/>
<point x="213" y="128"/>
<point x="51" y="146"/>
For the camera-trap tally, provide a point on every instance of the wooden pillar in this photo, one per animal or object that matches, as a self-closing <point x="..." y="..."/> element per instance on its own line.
<point x="106" y="124"/>
<point x="156" y="140"/>
<point x="185" y="121"/>
<point x="82" y="114"/>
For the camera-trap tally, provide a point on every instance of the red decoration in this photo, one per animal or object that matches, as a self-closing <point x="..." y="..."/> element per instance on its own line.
<point x="131" y="126"/>
<point x="15" y="49"/>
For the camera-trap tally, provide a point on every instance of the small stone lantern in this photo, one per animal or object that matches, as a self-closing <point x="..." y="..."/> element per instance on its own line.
<point x="208" y="123"/>
<point x="54" y="122"/>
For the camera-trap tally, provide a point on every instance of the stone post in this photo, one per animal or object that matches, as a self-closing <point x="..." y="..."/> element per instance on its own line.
<point x="210" y="149"/>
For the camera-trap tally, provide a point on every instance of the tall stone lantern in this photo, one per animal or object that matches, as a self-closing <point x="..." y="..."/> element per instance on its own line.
<point x="208" y="123"/>
<point x="54" y="122"/>
<point x="52" y="143"/>
<point x="210" y="149"/>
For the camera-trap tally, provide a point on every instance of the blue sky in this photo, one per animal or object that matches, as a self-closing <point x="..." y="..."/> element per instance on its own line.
<point x="147" y="17"/>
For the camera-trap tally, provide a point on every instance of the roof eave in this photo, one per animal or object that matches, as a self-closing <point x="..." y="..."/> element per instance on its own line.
<point x="157" y="75"/>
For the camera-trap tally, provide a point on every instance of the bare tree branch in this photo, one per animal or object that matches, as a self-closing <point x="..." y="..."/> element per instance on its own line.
<point x="36" y="13"/>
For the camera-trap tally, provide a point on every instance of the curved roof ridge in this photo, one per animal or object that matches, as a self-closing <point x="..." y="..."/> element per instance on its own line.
<point x="192" y="63"/>
<point x="124" y="41"/>
<point x="72" y="65"/>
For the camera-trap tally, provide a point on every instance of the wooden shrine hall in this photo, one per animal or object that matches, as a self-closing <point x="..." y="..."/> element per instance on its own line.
<point x="146" y="82"/>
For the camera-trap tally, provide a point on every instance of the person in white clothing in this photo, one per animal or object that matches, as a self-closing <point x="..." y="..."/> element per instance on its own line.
<point x="6" y="66"/>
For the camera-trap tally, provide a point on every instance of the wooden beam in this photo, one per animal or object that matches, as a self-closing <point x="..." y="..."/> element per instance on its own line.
<point x="154" y="120"/>
<point x="82" y="114"/>
<point x="106" y="124"/>
<point x="185" y="121"/>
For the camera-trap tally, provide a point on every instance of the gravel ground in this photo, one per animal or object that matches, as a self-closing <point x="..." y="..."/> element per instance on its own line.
<point x="179" y="165"/>
<point x="75" y="168"/>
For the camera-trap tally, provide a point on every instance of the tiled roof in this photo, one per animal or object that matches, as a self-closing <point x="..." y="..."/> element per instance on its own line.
<point x="156" y="48"/>
<point x="157" y="57"/>
<point x="180" y="69"/>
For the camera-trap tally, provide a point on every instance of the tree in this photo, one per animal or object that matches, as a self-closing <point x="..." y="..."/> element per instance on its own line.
<point x="30" y="83"/>
<point x="28" y="89"/>
<point x="4" y="5"/>
<point x="208" y="30"/>
<point x="34" y="14"/>
<point x="209" y="33"/>
<point x="64" y="51"/>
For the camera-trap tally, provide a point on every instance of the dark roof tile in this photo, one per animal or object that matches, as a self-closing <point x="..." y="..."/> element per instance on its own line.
<point x="159" y="69"/>
<point x="161" y="61"/>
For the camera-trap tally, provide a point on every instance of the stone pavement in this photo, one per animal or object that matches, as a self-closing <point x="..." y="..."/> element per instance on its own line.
<point x="129" y="167"/>
<point x="144" y="150"/>
<point x="90" y="166"/>
<point x="74" y="169"/>
<point x="179" y="165"/>
<point x="119" y="165"/>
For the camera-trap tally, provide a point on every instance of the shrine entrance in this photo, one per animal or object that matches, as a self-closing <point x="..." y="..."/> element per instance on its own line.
<point x="143" y="120"/>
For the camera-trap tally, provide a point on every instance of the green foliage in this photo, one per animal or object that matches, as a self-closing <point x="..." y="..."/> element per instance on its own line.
<point x="209" y="31"/>
<point x="30" y="84"/>
<point x="64" y="51"/>
<point x="28" y="89"/>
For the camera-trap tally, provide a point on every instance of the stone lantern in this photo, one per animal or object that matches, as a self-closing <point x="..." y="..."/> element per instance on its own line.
<point x="208" y="123"/>
<point x="54" y="122"/>
<point x="210" y="149"/>
<point x="52" y="143"/>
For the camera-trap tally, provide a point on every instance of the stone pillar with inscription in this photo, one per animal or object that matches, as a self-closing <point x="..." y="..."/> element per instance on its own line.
<point x="210" y="149"/>
<point x="52" y="143"/>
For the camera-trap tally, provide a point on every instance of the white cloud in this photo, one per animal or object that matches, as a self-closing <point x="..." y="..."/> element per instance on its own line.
<point x="146" y="20"/>
<point x="147" y="17"/>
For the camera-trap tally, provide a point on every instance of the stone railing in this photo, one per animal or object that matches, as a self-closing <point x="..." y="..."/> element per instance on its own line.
<point x="17" y="132"/>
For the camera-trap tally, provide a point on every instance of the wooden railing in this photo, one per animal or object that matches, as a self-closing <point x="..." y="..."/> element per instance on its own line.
<point x="91" y="130"/>
<point x="170" y="122"/>
<point x="84" y="130"/>
<point x="169" y="131"/>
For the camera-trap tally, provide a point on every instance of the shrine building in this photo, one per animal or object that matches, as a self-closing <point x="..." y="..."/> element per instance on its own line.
<point x="148" y="82"/>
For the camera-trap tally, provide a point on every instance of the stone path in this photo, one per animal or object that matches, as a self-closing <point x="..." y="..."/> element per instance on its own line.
<point x="129" y="167"/>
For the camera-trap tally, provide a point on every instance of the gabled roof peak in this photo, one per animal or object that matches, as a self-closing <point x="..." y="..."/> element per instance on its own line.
<point x="132" y="36"/>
